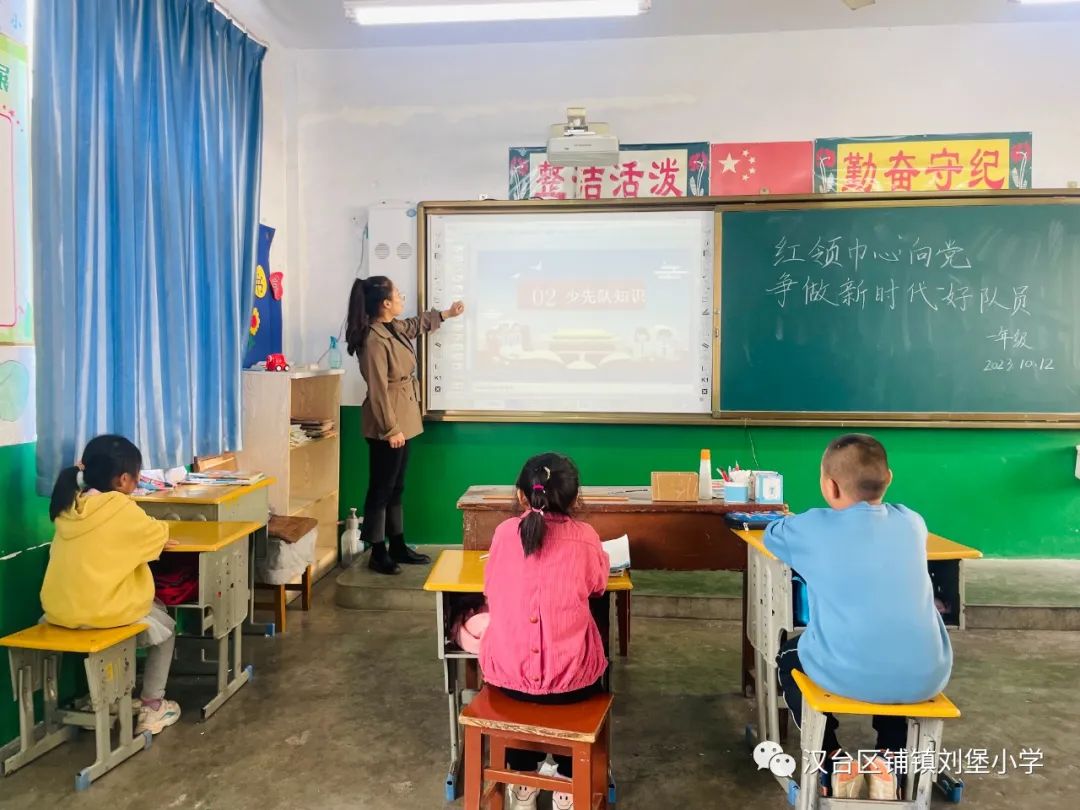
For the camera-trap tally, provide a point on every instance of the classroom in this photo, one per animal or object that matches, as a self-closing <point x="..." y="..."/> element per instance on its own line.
<point x="539" y="404"/>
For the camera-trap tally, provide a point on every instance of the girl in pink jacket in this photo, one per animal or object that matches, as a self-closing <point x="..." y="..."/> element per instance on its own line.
<point x="542" y="644"/>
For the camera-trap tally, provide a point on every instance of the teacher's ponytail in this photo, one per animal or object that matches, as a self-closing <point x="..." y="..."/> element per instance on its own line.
<point x="549" y="484"/>
<point x="365" y="301"/>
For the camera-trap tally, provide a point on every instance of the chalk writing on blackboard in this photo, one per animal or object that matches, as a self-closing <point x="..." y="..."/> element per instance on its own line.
<point x="829" y="252"/>
<point x="934" y="293"/>
<point x="855" y="294"/>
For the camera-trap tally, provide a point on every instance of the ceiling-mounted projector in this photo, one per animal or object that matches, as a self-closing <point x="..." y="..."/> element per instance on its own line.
<point x="578" y="143"/>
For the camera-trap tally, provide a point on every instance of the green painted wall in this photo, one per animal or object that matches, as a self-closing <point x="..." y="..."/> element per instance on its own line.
<point x="24" y="526"/>
<point x="969" y="484"/>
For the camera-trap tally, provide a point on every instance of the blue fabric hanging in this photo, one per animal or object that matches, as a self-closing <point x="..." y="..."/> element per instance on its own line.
<point x="147" y="136"/>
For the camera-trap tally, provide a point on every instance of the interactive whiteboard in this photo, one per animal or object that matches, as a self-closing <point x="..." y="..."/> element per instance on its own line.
<point x="587" y="315"/>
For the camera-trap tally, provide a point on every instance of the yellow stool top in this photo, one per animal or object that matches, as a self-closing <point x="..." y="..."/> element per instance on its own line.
<point x="822" y="701"/>
<point x="62" y="639"/>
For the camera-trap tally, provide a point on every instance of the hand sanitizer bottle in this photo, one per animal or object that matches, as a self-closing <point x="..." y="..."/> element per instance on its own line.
<point x="350" y="538"/>
<point x="705" y="477"/>
<point x="335" y="354"/>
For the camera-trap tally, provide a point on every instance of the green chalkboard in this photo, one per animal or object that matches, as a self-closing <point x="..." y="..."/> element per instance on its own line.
<point x="900" y="309"/>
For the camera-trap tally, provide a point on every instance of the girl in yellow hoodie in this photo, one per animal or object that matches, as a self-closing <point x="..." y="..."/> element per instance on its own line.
<point x="98" y="573"/>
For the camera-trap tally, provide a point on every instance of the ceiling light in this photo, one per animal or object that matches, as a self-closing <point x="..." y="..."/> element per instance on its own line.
<point x="1045" y="2"/>
<point x="855" y="5"/>
<point x="411" y="12"/>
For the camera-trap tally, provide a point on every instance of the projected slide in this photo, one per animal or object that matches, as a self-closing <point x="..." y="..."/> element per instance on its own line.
<point x="577" y="313"/>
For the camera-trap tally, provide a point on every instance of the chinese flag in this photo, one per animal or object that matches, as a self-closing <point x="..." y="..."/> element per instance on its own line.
<point x="785" y="167"/>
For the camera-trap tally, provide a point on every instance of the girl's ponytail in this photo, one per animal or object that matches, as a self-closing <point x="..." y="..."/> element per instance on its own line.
<point x="64" y="491"/>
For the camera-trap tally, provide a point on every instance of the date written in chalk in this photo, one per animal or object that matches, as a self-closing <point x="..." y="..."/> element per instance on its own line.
<point x="1007" y="364"/>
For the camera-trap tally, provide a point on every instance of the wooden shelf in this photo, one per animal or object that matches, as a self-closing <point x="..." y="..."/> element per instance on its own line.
<point x="303" y="505"/>
<point x="306" y="476"/>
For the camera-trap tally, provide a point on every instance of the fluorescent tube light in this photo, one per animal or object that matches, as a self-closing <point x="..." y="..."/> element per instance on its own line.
<point x="412" y="12"/>
<point x="1045" y="2"/>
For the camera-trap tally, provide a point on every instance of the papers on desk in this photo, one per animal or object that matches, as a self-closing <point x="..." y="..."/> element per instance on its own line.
<point x="157" y="480"/>
<point x="618" y="551"/>
<point x="224" y="478"/>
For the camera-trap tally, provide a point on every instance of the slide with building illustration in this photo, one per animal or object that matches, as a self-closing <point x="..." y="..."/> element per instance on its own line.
<point x="589" y="313"/>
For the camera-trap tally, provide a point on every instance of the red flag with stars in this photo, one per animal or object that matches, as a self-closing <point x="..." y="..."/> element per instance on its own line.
<point x="785" y="167"/>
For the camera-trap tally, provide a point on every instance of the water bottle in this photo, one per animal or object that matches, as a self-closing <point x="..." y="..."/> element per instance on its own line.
<point x="335" y="354"/>
<point x="350" y="538"/>
<point x="705" y="477"/>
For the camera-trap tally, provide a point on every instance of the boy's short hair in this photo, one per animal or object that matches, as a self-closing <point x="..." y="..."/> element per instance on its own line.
<point x="858" y="463"/>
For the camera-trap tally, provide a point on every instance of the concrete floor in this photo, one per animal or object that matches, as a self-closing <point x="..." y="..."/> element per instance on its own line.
<point x="346" y="711"/>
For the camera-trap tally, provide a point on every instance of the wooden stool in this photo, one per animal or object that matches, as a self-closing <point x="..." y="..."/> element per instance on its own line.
<point x="581" y="730"/>
<point x="278" y="593"/>
<point x="926" y="721"/>
<point x="288" y="530"/>
<point x="34" y="654"/>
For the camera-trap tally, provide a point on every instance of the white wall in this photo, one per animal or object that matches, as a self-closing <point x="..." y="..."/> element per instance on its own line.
<point x="279" y="183"/>
<point x="435" y="123"/>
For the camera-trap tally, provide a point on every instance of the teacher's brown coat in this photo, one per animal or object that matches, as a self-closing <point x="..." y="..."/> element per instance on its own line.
<point x="388" y="365"/>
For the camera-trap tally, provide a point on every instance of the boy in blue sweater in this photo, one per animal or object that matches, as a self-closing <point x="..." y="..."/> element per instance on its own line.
<point x="874" y="632"/>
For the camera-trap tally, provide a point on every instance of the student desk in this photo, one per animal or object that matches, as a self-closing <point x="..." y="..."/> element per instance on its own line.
<point x="223" y="601"/>
<point x="219" y="503"/>
<point x="457" y="572"/>
<point x="770" y="612"/>
<point x="664" y="535"/>
<point x="250" y="502"/>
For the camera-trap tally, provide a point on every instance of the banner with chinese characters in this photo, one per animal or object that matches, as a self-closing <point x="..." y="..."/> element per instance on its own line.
<point x="977" y="162"/>
<point x="644" y="170"/>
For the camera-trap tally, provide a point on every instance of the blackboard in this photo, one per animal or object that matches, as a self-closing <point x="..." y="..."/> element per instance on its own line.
<point x="901" y="309"/>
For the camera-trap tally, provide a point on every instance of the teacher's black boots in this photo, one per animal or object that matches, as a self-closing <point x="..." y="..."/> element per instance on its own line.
<point x="401" y="553"/>
<point x="380" y="561"/>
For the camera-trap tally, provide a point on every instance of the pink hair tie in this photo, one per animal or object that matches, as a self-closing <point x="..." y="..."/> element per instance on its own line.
<point x="538" y="487"/>
<point x="540" y="512"/>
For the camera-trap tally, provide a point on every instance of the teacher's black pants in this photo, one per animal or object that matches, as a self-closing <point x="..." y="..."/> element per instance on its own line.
<point x="386" y="484"/>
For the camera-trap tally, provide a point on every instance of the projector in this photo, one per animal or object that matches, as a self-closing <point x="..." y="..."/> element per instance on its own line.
<point x="577" y="143"/>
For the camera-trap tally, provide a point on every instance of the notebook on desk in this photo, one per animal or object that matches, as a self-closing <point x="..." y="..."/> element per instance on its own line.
<point x="752" y="520"/>
<point x="618" y="551"/>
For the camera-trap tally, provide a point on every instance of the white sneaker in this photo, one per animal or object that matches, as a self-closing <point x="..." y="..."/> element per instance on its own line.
<point x="522" y="797"/>
<point x="883" y="783"/>
<point x="156" y="720"/>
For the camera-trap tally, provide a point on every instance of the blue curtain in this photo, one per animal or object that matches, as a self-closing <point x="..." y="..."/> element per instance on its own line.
<point x="147" y="133"/>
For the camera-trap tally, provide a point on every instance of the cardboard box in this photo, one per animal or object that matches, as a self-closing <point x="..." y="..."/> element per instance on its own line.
<point x="674" y="486"/>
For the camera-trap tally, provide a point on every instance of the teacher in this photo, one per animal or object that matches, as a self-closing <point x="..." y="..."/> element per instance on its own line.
<point x="391" y="411"/>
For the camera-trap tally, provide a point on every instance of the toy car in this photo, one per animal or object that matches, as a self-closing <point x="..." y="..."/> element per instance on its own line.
<point x="276" y="362"/>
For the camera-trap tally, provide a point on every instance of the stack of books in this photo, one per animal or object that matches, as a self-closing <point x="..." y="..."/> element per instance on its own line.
<point x="315" y="428"/>
<point x="224" y="478"/>
<point x="297" y="436"/>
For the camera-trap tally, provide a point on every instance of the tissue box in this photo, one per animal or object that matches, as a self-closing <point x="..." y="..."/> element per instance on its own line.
<point x="768" y="488"/>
